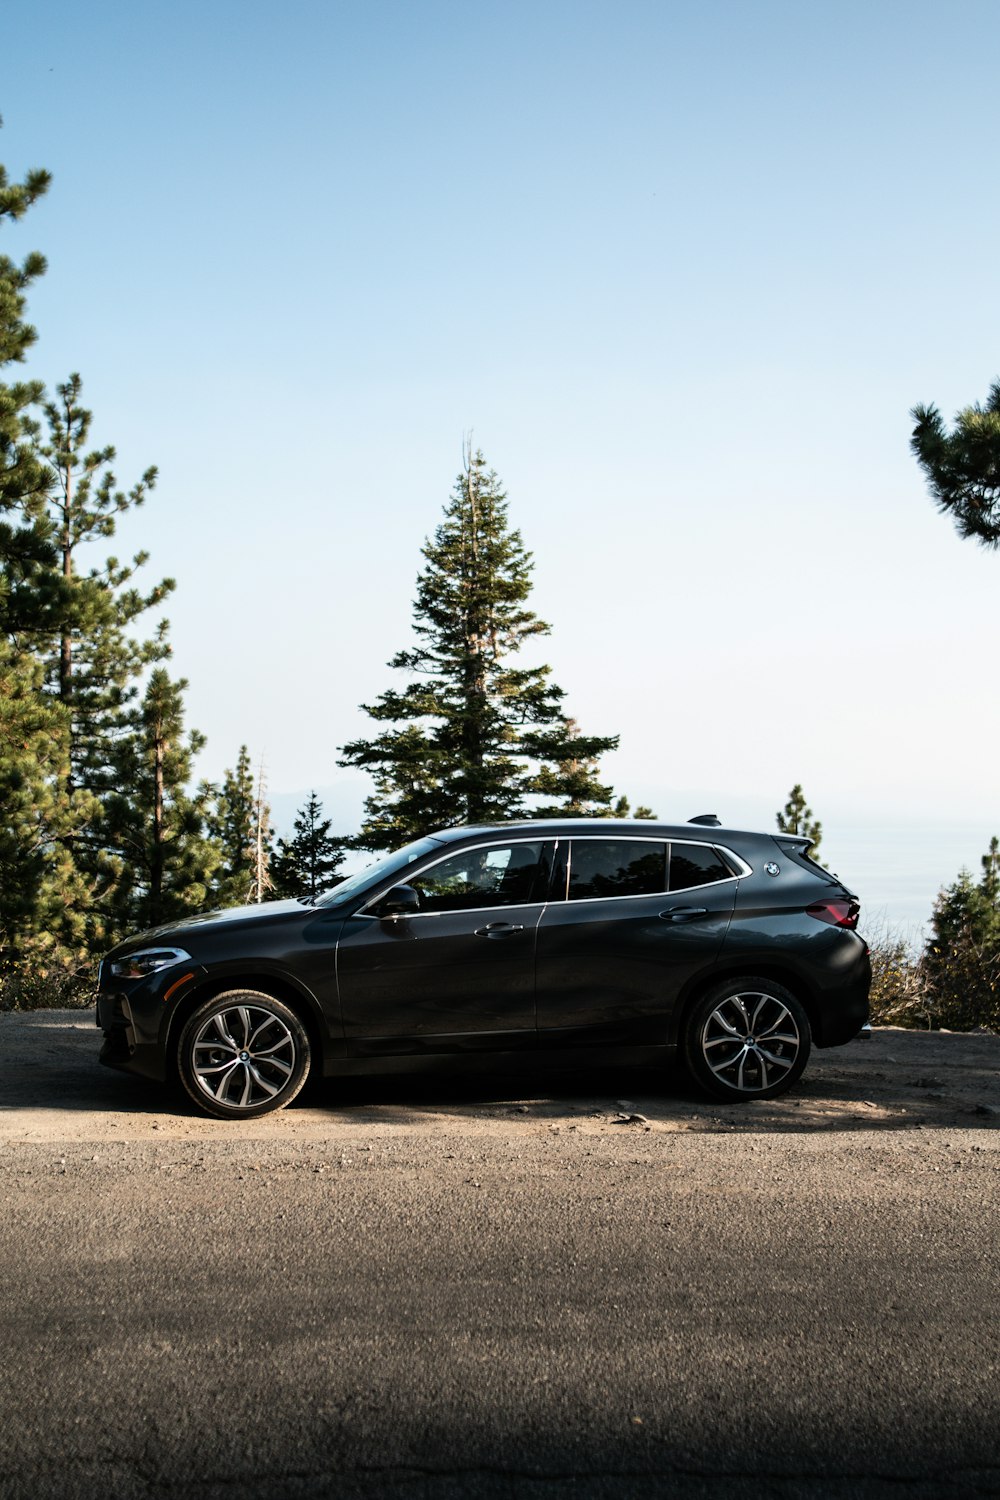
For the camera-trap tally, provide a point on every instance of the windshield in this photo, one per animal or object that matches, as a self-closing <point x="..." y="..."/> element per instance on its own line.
<point x="388" y="865"/>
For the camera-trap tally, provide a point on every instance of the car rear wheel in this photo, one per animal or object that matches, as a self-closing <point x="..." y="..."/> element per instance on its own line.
<point x="747" y="1039"/>
<point x="243" y="1054"/>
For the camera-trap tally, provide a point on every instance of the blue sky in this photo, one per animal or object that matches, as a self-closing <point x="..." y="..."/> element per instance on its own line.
<point x="682" y="268"/>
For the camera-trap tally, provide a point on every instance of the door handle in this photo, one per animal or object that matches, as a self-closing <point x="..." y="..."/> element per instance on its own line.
<point x="684" y="913"/>
<point x="498" y="930"/>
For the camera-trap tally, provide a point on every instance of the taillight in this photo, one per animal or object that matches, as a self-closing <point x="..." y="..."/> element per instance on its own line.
<point x="838" y="911"/>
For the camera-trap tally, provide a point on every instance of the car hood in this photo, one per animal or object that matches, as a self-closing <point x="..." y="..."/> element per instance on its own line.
<point x="231" y="916"/>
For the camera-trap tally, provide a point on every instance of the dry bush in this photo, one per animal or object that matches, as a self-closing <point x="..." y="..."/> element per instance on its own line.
<point x="899" y="995"/>
<point x="28" y="985"/>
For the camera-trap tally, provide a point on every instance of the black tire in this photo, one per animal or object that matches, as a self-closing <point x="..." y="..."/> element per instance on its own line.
<point x="243" y="1054"/>
<point x="747" y="1038"/>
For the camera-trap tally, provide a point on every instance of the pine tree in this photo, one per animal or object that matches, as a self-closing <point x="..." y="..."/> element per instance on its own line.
<point x="241" y="829"/>
<point x="623" y="809"/>
<point x="25" y="541"/>
<point x="307" y="864"/>
<point x="962" y="956"/>
<point x="93" y="661"/>
<point x="474" y="733"/>
<point x="40" y="893"/>
<point x="159" y="826"/>
<point x="798" y="818"/>
<point x="96" y="660"/>
<point x="963" y="466"/>
<point x="575" y="782"/>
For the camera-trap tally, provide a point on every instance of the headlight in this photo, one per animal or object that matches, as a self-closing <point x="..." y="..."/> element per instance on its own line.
<point x="147" y="961"/>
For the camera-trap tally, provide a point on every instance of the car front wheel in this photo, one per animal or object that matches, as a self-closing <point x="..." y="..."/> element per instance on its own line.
<point x="243" y="1054"/>
<point x="747" y="1039"/>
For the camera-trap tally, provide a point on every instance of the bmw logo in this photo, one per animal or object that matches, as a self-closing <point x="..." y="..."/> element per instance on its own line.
<point x="771" y="868"/>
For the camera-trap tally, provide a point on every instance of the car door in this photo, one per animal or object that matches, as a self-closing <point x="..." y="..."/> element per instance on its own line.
<point x="458" y="973"/>
<point x="631" y="919"/>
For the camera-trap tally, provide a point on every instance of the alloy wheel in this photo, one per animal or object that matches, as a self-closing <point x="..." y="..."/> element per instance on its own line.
<point x="243" y="1056"/>
<point x="751" y="1042"/>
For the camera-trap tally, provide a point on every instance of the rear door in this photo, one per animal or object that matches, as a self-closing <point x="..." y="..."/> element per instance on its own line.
<point x="630" y="920"/>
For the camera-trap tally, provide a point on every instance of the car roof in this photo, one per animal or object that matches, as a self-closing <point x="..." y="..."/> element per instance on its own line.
<point x="603" y="827"/>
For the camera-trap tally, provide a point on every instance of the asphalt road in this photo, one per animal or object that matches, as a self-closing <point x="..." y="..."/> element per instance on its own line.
<point x="446" y="1295"/>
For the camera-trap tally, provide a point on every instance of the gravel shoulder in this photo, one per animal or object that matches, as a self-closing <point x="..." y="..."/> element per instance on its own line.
<point x="404" y="1290"/>
<point x="52" y="1089"/>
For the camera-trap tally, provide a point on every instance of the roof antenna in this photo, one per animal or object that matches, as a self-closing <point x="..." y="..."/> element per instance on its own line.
<point x="707" y="820"/>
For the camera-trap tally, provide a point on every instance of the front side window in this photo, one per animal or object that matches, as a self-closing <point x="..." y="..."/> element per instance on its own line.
<point x="616" y="867"/>
<point x="495" y="875"/>
<point x="390" y="864"/>
<point x="696" y="864"/>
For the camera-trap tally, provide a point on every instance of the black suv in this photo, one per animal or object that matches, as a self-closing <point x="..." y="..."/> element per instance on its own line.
<point x="578" y="941"/>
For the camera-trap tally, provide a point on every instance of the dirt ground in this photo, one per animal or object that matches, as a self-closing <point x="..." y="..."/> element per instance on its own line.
<point x="53" y="1089"/>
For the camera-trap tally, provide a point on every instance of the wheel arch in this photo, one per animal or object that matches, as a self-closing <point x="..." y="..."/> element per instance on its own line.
<point x="777" y="972"/>
<point x="278" y="986"/>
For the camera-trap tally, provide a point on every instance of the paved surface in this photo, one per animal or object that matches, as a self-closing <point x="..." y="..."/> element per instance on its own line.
<point x="431" y="1292"/>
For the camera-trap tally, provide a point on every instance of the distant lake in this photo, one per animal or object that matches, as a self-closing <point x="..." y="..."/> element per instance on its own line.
<point x="897" y="870"/>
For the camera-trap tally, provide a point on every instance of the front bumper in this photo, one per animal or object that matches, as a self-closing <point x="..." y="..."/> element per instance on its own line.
<point x="134" y="1019"/>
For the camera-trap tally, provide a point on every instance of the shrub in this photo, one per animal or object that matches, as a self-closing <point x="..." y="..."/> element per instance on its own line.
<point x="26" y="984"/>
<point x="962" y="957"/>
<point x="898" y="994"/>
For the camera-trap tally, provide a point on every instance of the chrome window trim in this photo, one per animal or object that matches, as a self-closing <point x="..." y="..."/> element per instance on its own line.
<point x="569" y="838"/>
<point x="710" y="885"/>
<point x="416" y="916"/>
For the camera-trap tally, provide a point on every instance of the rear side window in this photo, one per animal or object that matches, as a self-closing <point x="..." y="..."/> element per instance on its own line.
<point x="616" y="867"/>
<point x="695" y="864"/>
<point x="804" y="858"/>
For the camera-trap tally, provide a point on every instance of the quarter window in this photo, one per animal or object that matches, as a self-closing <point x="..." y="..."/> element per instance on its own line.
<point x="616" y="867"/>
<point x="500" y="875"/>
<point x="695" y="864"/>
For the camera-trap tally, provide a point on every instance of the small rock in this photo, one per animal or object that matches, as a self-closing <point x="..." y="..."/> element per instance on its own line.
<point x="522" y="1109"/>
<point x="630" y="1119"/>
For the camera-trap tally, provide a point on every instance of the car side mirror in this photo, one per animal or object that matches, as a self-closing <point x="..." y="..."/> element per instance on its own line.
<point x="400" y="901"/>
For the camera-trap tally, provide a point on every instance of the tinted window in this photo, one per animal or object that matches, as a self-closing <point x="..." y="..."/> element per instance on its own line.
<point x="389" y="864"/>
<point x="616" y="867"/>
<point x="500" y="875"/>
<point x="695" y="864"/>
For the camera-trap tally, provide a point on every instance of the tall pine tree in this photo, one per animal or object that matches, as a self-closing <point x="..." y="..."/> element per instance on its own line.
<point x="96" y="661"/>
<point x="40" y="894"/>
<point x="475" y="736"/>
<point x="154" y="820"/>
<point x="307" y="863"/>
<point x="241" y="829"/>
<point x="25" y="535"/>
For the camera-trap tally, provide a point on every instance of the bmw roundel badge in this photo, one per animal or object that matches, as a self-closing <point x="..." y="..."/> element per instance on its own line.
<point x="771" y="868"/>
